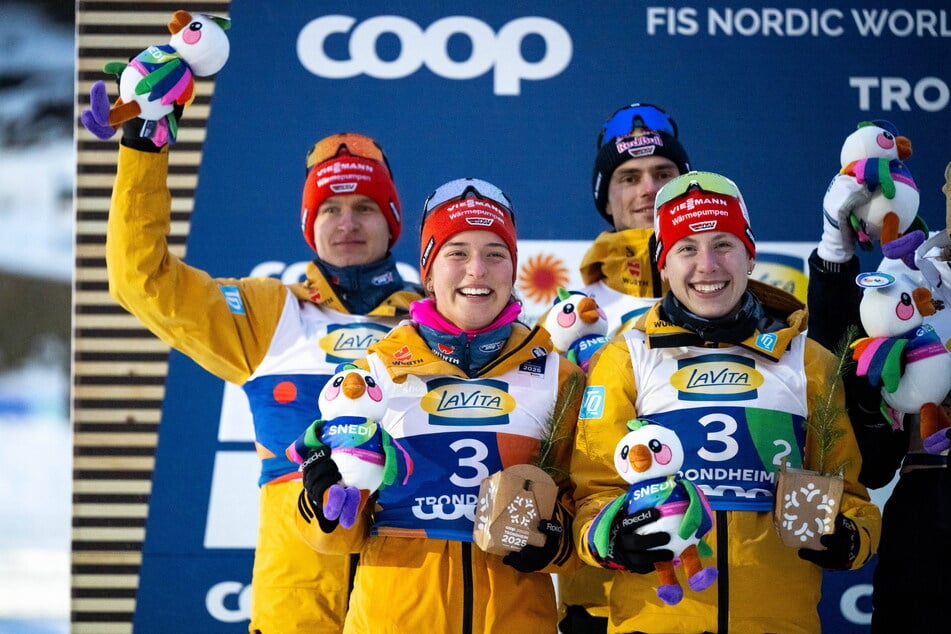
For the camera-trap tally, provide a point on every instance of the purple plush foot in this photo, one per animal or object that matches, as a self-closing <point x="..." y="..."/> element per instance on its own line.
<point x="937" y="442"/>
<point x="96" y="118"/>
<point x="351" y="506"/>
<point x="703" y="579"/>
<point x="904" y="246"/>
<point x="670" y="594"/>
<point x="334" y="501"/>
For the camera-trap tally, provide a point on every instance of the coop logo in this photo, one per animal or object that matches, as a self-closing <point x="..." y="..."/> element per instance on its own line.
<point x="452" y="402"/>
<point x="498" y="52"/>
<point x="446" y="507"/>
<point x="716" y="377"/>
<point x="229" y="602"/>
<point x="346" y="342"/>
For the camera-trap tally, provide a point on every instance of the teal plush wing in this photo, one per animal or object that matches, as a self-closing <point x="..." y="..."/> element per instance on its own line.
<point x="393" y="451"/>
<point x="599" y="533"/>
<point x="306" y="443"/>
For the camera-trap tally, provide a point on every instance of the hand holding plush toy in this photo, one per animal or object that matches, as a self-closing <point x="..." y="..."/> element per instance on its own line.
<point x="160" y="79"/>
<point x="872" y="156"/>
<point x="362" y="452"/>
<point x="650" y="457"/>
<point x="903" y="354"/>
<point x="577" y="326"/>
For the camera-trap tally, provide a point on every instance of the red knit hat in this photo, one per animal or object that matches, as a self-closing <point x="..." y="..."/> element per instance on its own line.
<point x="475" y="205"/>
<point x="343" y="164"/>
<point x="697" y="202"/>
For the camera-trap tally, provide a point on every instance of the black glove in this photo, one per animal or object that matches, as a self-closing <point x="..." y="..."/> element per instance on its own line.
<point x="320" y="472"/>
<point x="556" y="550"/>
<point x="138" y="133"/>
<point x="630" y="550"/>
<point x="842" y="546"/>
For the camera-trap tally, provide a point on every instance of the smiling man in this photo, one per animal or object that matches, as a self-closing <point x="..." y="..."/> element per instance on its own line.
<point x="638" y="152"/>
<point x="271" y="338"/>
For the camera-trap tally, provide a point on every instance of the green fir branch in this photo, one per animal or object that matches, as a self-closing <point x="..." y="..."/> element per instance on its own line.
<point x="554" y="432"/>
<point x="821" y="423"/>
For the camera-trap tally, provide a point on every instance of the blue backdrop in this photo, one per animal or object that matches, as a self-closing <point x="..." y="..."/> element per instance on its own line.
<point x="515" y="93"/>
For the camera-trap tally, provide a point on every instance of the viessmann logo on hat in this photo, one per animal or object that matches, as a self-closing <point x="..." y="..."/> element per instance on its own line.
<point x="341" y="165"/>
<point x="699" y="206"/>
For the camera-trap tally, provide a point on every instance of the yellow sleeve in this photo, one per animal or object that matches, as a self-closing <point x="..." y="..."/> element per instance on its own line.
<point x="609" y="404"/>
<point x="571" y="383"/>
<point x="183" y="306"/>
<point x="820" y="366"/>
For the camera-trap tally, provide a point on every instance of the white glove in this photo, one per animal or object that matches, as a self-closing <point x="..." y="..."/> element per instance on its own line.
<point x="838" y="239"/>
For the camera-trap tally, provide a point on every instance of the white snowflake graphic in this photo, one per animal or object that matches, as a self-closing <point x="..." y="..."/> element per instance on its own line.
<point x="808" y="501"/>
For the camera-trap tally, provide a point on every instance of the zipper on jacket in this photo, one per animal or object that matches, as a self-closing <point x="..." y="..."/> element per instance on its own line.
<point x="723" y="575"/>
<point x="655" y="273"/>
<point x="484" y="370"/>
<point x="466" y="587"/>
<point x="352" y="575"/>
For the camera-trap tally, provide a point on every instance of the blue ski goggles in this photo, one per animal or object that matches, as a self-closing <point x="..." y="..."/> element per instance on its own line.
<point x="637" y="115"/>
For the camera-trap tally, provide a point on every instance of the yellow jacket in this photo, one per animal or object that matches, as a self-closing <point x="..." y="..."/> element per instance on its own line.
<point x="618" y="270"/>
<point x="254" y="332"/>
<point x="411" y="581"/>
<point x="763" y="585"/>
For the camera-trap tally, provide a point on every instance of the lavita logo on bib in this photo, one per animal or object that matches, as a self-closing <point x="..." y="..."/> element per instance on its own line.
<point x="348" y="342"/>
<point x="716" y="377"/>
<point x="467" y="403"/>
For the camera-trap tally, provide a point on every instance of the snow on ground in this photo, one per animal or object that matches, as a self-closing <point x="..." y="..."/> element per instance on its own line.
<point x="35" y="484"/>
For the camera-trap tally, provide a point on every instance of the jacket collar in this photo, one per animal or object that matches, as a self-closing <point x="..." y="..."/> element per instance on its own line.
<point x="404" y="352"/>
<point x="779" y="304"/>
<point x="625" y="261"/>
<point x="317" y="289"/>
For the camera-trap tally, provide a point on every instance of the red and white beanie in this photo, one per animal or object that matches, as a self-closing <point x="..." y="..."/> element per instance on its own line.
<point x="348" y="173"/>
<point x="697" y="210"/>
<point x="455" y="216"/>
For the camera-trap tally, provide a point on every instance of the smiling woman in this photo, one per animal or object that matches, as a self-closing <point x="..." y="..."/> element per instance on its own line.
<point x="705" y="247"/>
<point x="725" y="362"/>
<point x="474" y="393"/>
<point x="468" y="253"/>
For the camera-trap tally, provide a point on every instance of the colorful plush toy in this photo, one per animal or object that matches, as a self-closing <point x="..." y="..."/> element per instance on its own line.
<point x="160" y="78"/>
<point x="351" y="404"/>
<point x="873" y="155"/>
<point x="577" y="326"/>
<point x="650" y="457"/>
<point x="904" y="355"/>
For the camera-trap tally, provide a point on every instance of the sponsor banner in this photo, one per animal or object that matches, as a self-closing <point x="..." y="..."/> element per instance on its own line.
<point x="515" y="94"/>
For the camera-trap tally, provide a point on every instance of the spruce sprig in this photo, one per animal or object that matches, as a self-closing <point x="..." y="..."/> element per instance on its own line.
<point x="825" y="412"/>
<point x="555" y="429"/>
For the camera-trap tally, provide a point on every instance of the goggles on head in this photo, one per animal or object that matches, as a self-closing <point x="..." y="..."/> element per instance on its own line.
<point x="354" y="144"/>
<point x="637" y="115"/>
<point x="705" y="181"/>
<point x="463" y="187"/>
